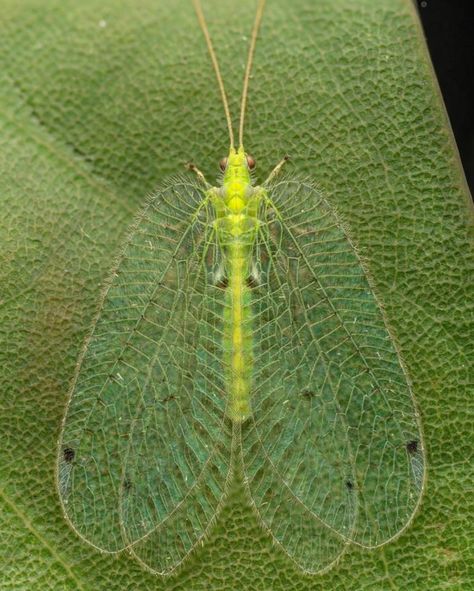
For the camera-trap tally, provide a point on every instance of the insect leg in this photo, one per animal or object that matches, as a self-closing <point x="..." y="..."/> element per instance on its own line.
<point x="276" y="170"/>
<point x="193" y="168"/>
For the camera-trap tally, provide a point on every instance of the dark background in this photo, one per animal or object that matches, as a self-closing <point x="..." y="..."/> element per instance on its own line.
<point x="449" y="31"/>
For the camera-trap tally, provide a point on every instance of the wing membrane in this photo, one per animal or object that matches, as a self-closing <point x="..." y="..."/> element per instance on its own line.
<point x="332" y="452"/>
<point x="335" y="416"/>
<point x="146" y="416"/>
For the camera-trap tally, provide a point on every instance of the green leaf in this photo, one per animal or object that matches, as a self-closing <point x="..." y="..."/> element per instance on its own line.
<point x="100" y="101"/>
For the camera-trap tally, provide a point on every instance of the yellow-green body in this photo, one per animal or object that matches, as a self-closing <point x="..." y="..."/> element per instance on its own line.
<point x="236" y="206"/>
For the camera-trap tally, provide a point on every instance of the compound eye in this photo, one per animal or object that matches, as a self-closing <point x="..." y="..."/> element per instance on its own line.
<point x="223" y="164"/>
<point x="250" y="162"/>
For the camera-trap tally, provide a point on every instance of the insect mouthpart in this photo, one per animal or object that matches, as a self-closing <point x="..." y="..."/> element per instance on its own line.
<point x="250" y="162"/>
<point x="223" y="164"/>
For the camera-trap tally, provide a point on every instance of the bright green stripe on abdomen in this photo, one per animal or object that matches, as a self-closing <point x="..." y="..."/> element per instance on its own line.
<point x="238" y="355"/>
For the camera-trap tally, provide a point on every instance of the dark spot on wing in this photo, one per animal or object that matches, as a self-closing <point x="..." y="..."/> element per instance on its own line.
<point x="271" y="214"/>
<point x="251" y="282"/>
<point x="68" y="455"/>
<point x="412" y="446"/>
<point x="222" y="283"/>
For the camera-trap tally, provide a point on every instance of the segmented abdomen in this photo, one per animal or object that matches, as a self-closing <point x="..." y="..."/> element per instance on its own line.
<point x="237" y="338"/>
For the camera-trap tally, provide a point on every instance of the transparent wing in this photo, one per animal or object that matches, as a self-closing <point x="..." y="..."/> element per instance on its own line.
<point x="144" y="450"/>
<point x="333" y="452"/>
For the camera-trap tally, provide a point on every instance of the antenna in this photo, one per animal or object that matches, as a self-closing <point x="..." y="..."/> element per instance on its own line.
<point x="248" y="69"/>
<point x="212" y="53"/>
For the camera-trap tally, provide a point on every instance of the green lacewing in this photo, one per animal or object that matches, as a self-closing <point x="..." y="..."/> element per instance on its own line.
<point x="239" y="328"/>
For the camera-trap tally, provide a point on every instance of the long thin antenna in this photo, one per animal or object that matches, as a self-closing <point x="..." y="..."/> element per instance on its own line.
<point x="212" y="53"/>
<point x="248" y="69"/>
